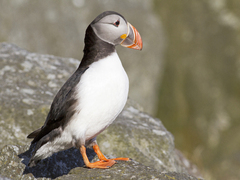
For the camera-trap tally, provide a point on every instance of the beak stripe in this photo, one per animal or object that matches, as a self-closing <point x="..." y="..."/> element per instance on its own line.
<point x="135" y="40"/>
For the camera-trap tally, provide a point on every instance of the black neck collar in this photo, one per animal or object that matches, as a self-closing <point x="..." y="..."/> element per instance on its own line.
<point x="95" y="48"/>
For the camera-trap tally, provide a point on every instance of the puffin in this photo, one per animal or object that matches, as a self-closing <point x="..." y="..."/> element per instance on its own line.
<point x="92" y="98"/>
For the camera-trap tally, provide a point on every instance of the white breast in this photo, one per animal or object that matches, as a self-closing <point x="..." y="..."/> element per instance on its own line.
<point x="102" y="94"/>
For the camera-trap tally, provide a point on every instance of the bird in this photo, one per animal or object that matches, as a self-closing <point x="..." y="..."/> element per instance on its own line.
<point x="93" y="96"/>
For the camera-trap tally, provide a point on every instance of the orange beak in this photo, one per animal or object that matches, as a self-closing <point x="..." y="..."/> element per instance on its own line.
<point x="132" y="39"/>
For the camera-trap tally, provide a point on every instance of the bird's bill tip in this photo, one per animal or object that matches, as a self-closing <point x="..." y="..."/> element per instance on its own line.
<point x="133" y="39"/>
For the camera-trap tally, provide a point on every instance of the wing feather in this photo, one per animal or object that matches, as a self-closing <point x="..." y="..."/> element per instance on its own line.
<point x="62" y="107"/>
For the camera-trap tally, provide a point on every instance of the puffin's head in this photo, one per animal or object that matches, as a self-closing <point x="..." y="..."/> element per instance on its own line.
<point x="113" y="28"/>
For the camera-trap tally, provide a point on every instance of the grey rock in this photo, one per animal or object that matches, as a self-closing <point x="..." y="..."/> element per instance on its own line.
<point x="29" y="82"/>
<point x="4" y="178"/>
<point x="61" y="167"/>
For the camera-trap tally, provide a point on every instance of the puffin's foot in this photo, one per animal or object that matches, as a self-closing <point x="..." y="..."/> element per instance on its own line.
<point x="103" y="158"/>
<point x="121" y="159"/>
<point x="102" y="164"/>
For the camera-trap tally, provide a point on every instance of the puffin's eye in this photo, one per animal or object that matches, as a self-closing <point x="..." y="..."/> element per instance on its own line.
<point x="116" y="23"/>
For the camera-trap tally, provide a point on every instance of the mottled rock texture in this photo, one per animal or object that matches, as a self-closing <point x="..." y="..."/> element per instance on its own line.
<point x="29" y="82"/>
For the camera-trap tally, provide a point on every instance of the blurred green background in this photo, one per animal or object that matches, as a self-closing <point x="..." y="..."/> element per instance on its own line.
<point x="187" y="74"/>
<point x="199" y="98"/>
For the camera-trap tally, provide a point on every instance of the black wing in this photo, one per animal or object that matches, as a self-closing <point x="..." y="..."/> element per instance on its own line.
<point x="62" y="107"/>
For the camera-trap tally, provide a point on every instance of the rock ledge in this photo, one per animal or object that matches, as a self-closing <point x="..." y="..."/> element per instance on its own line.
<point x="29" y="82"/>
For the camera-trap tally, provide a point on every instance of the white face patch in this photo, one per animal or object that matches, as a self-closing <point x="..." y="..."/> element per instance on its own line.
<point x="107" y="30"/>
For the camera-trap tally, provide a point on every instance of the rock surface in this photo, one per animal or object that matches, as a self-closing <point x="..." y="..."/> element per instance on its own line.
<point x="29" y="82"/>
<point x="13" y="168"/>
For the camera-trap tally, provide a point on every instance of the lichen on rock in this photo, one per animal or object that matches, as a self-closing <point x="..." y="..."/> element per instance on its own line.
<point x="26" y="92"/>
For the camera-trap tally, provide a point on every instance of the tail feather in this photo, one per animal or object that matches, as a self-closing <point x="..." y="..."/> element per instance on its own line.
<point x="33" y="162"/>
<point x="34" y="133"/>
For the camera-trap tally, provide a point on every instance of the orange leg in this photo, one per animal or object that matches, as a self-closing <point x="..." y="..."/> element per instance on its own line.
<point x="102" y="164"/>
<point x="103" y="158"/>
